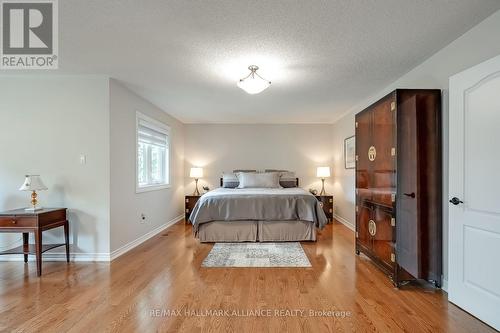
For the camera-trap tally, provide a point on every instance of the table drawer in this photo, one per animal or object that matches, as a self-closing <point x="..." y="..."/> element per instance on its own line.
<point x="17" y="222"/>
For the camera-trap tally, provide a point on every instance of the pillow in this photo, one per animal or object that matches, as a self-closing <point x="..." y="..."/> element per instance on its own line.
<point x="288" y="179"/>
<point x="259" y="180"/>
<point x="229" y="180"/>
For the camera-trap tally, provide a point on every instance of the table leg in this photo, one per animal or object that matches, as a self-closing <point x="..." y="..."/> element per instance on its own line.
<point x="38" y="251"/>
<point x="66" y="237"/>
<point x="25" y="245"/>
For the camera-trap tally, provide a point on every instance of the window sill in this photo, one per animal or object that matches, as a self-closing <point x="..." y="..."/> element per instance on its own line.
<point x="152" y="188"/>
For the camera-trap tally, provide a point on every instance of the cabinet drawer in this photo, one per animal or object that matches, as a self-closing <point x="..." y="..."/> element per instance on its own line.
<point x="17" y="222"/>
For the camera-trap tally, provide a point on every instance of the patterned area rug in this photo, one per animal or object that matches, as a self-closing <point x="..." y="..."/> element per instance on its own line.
<point x="256" y="255"/>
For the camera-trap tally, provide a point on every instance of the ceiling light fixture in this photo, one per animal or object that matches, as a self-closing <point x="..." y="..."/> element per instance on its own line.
<point x="253" y="83"/>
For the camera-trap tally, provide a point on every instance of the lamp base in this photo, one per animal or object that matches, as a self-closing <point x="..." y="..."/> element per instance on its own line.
<point x="196" y="191"/>
<point x="33" y="209"/>
<point x="322" y="187"/>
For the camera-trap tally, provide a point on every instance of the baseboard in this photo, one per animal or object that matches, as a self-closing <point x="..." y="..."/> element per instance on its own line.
<point x="344" y="222"/>
<point x="94" y="257"/>
<point x="129" y="246"/>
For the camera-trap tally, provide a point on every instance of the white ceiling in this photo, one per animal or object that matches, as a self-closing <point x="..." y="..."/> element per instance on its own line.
<point x="322" y="56"/>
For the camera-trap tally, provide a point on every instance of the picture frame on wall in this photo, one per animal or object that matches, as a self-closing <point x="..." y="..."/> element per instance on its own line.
<point x="350" y="152"/>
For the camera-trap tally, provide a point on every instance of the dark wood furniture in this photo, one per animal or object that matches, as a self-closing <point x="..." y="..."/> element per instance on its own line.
<point x="326" y="202"/>
<point x="189" y="203"/>
<point x="398" y="185"/>
<point x="24" y="222"/>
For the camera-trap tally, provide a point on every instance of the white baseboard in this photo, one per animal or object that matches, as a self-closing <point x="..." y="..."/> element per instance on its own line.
<point x="129" y="246"/>
<point x="102" y="257"/>
<point x="344" y="222"/>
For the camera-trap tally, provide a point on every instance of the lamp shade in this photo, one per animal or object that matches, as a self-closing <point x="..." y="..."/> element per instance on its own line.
<point x="33" y="183"/>
<point x="196" y="173"/>
<point x="253" y="83"/>
<point x="323" y="172"/>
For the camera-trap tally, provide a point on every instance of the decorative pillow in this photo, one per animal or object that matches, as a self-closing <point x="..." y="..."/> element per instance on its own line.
<point x="229" y="180"/>
<point x="288" y="179"/>
<point x="259" y="180"/>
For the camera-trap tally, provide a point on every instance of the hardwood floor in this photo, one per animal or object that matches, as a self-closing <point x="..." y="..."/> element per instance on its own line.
<point x="165" y="274"/>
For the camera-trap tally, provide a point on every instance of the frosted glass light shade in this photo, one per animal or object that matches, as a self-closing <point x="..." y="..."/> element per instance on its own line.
<point x="323" y="172"/>
<point x="196" y="173"/>
<point x="33" y="183"/>
<point x="253" y="85"/>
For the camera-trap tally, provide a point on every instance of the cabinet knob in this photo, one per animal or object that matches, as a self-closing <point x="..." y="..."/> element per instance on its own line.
<point x="14" y="221"/>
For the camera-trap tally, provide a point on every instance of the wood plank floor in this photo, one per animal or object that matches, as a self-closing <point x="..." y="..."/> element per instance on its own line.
<point x="165" y="274"/>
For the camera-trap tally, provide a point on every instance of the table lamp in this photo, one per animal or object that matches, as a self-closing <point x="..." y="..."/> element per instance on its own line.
<point x="323" y="172"/>
<point x="33" y="183"/>
<point x="196" y="173"/>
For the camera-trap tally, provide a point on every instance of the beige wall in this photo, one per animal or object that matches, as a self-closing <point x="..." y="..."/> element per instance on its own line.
<point x="219" y="148"/>
<point x="478" y="44"/>
<point x="343" y="179"/>
<point x="161" y="206"/>
<point x="46" y="123"/>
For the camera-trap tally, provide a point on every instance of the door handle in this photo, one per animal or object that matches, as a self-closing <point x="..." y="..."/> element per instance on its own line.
<point x="456" y="201"/>
<point x="411" y="195"/>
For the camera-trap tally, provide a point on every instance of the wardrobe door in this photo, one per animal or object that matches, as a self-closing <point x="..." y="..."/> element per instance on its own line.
<point x="380" y="153"/>
<point x="408" y="227"/>
<point x="364" y="216"/>
<point x="363" y="142"/>
<point x="383" y="245"/>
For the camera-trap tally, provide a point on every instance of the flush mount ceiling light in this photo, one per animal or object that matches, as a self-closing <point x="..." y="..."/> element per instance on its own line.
<point x="253" y="83"/>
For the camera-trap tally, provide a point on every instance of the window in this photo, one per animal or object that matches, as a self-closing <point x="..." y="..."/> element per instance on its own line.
<point x="153" y="154"/>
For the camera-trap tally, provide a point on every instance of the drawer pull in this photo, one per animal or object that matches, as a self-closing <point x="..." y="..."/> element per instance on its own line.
<point x="14" y="221"/>
<point x="372" y="228"/>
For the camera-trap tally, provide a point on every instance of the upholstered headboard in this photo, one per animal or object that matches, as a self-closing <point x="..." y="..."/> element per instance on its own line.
<point x="296" y="182"/>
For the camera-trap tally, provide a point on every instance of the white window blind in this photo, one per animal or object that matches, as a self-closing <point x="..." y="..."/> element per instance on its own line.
<point x="152" y="154"/>
<point x="149" y="135"/>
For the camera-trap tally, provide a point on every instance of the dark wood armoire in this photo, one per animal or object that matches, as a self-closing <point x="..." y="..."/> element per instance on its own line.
<point x="399" y="184"/>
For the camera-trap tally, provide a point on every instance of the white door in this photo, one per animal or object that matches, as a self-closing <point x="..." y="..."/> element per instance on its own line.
<point x="474" y="184"/>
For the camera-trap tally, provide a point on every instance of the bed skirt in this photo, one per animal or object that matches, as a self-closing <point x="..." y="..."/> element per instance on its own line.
<point x="256" y="231"/>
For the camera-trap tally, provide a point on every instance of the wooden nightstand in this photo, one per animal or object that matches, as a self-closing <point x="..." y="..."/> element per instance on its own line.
<point x="24" y="222"/>
<point x="189" y="202"/>
<point x="327" y="204"/>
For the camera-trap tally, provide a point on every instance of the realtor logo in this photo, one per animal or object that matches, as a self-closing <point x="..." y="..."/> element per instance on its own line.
<point x="29" y="34"/>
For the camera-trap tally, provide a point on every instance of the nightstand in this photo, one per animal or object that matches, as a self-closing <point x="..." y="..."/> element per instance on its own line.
<point x="327" y="204"/>
<point x="189" y="203"/>
<point x="22" y="221"/>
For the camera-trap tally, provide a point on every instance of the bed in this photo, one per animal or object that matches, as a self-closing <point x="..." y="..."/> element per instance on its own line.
<point x="257" y="215"/>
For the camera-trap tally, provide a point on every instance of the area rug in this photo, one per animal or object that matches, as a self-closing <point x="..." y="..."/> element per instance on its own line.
<point x="256" y="255"/>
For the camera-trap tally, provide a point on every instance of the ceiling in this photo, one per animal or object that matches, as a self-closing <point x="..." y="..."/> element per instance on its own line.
<point x="321" y="56"/>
